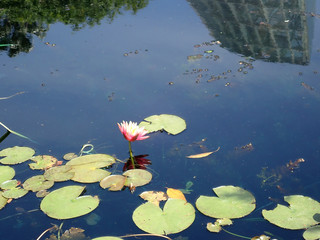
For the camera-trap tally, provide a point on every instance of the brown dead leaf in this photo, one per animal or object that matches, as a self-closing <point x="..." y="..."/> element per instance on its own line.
<point x="202" y="155"/>
<point x="154" y="196"/>
<point x="175" y="193"/>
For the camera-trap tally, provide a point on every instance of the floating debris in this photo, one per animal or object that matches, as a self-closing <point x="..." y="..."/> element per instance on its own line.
<point x="306" y="86"/>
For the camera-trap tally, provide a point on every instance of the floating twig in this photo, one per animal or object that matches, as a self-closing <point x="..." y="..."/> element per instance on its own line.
<point x="53" y="228"/>
<point x="3" y="98"/>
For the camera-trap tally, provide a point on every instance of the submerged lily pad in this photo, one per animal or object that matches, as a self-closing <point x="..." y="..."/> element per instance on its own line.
<point x="232" y="202"/>
<point x="170" y="123"/>
<point x="37" y="183"/>
<point x="312" y="233"/>
<point x="42" y="162"/>
<point x="6" y="173"/>
<point x="113" y="182"/>
<point x="16" y="155"/>
<point x="299" y="215"/>
<point x="176" y="216"/>
<point x="59" y="173"/>
<point x="87" y="169"/>
<point x="137" y="177"/>
<point x="66" y="203"/>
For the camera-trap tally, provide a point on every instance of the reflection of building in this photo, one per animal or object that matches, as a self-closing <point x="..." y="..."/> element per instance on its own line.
<point x="274" y="30"/>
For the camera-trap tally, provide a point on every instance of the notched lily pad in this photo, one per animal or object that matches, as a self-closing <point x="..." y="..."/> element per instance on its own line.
<point x="232" y="202"/>
<point x="87" y="169"/>
<point x="43" y="162"/>
<point x="176" y="216"/>
<point x="16" y="155"/>
<point x="137" y="177"/>
<point x="59" y="173"/>
<point x="113" y="182"/>
<point x="66" y="203"/>
<point x="6" y="173"/>
<point x="299" y="215"/>
<point x="170" y="123"/>
<point x="37" y="183"/>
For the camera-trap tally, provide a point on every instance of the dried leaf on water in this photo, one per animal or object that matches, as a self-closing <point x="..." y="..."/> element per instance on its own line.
<point x="202" y="155"/>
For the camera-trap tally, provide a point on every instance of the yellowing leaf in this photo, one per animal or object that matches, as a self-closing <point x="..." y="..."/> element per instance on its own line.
<point x="154" y="196"/>
<point x="202" y="155"/>
<point x="175" y="193"/>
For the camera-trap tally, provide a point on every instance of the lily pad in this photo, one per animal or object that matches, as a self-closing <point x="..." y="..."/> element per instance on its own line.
<point x="11" y="189"/>
<point x="16" y="155"/>
<point x="9" y="184"/>
<point x="66" y="203"/>
<point x="299" y="215"/>
<point x="213" y="227"/>
<point x="113" y="182"/>
<point x="137" y="177"/>
<point x="170" y="123"/>
<point x="312" y="233"/>
<point x="176" y="216"/>
<point x="107" y="238"/>
<point x="3" y="200"/>
<point x="37" y="183"/>
<point x="42" y="162"/>
<point x="87" y="169"/>
<point x="232" y="202"/>
<point x="59" y="173"/>
<point x="6" y="173"/>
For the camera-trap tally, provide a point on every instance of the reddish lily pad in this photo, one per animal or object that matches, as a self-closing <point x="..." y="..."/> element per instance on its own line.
<point x="43" y="162"/>
<point x="16" y="155"/>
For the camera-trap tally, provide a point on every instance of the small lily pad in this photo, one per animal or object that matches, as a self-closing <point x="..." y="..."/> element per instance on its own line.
<point x="299" y="215"/>
<point x="170" y="123"/>
<point x="42" y="162"/>
<point x="37" y="183"/>
<point x="312" y="233"/>
<point x="66" y="203"/>
<point x="176" y="216"/>
<point x="113" y="182"/>
<point x="213" y="227"/>
<point x="59" y="173"/>
<point x="16" y="155"/>
<point x="137" y="177"/>
<point x="232" y="202"/>
<point x="87" y="169"/>
<point x="6" y="173"/>
<point x="69" y="156"/>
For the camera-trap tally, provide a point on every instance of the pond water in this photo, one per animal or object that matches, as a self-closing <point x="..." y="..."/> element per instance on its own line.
<point x="244" y="76"/>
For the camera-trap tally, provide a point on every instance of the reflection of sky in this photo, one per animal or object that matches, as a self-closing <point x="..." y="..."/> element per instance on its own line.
<point x="267" y="106"/>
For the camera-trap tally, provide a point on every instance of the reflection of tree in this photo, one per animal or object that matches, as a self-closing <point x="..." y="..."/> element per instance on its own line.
<point x="19" y="20"/>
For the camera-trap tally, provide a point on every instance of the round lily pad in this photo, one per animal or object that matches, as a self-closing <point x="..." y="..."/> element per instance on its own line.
<point x="312" y="233"/>
<point x="6" y="173"/>
<point x="176" y="216"/>
<point x="66" y="203"/>
<point x="137" y="177"/>
<point x="69" y="156"/>
<point x="42" y="162"/>
<point x="37" y="183"/>
<point x="232" y="202"/>
<point x="16" y="155"/>
<point x="3" y="200"/>
<point x="59" y="173"/>
<point x="299" y="215"/>
<point x="9" y="184"/>
<point x="87" y="169"/>
<point x="170" y="123"/>
<point x="113" y="182"/>
<point x="107" y="238"/>
<point x="14" y="193"/>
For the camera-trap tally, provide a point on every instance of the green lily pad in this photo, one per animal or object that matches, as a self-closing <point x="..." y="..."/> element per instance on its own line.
<point x="37" y="183"/>
<point x="3" y="201"/>
<point x="107" y="238"/>
<point x="16" y="155"/>
<point x="87" y="169"/>
<point x="299" y="215"/>
<point x="137" y="177"/>
<point x="213" y="227"/>
<point x="14" y="193"/>
<point x="176" y="216"/>
<point x="113" y="182"/>
<point x="312" y="233"/>
<point x="170" y="123"/>
<point x="42" y="162"/>
<point x="232" y="202"/>
<point x="9" y="184"/>
<point x="6" y="173"/>
<point x="59" y="173"/>
<point x="66" y="203"/>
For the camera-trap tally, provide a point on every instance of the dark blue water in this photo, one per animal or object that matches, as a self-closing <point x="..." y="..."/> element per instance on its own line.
<point x="266" y="92"/>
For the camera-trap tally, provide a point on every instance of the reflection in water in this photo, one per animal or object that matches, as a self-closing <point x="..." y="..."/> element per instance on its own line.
<point x="275" y="31"/>
<point x="20" y="20"/>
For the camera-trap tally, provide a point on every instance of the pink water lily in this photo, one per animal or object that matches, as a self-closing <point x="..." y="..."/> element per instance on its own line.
<point x="132" y="132"/>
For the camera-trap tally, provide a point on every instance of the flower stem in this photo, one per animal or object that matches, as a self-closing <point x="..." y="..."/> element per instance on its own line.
<point x="131" y="156"/>
<point x="237" y="235"/>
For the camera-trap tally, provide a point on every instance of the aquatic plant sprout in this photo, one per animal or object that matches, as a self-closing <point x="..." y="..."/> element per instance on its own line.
<point x="132" y="132"/>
